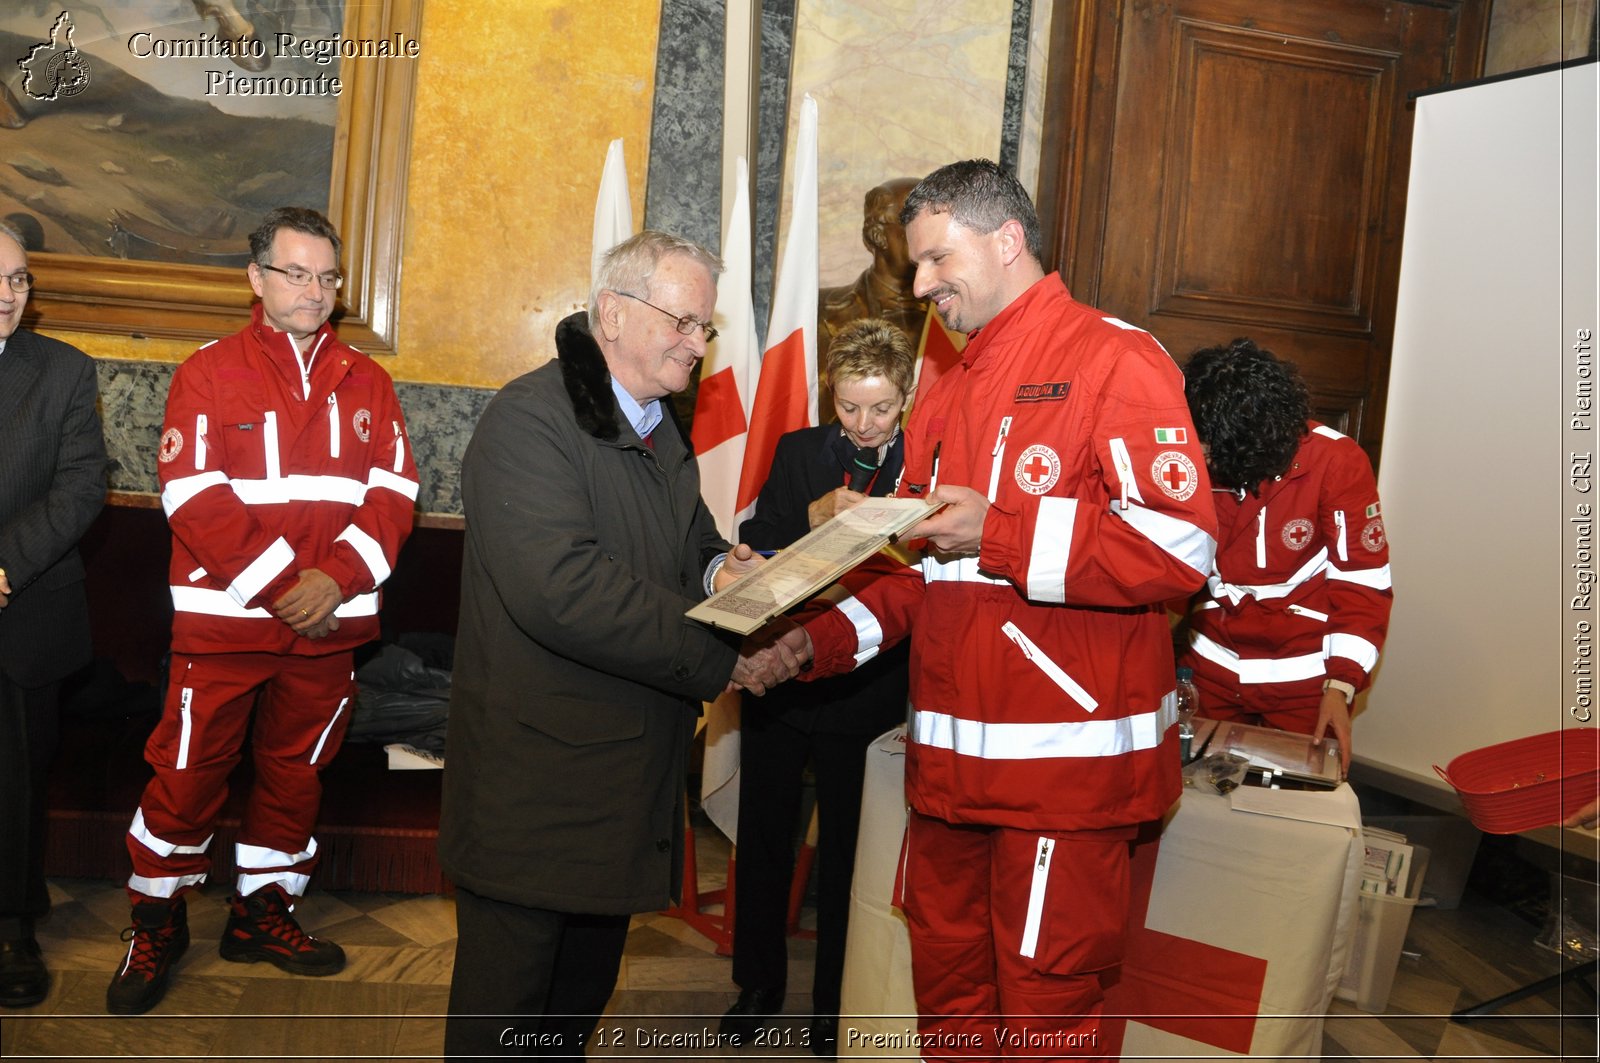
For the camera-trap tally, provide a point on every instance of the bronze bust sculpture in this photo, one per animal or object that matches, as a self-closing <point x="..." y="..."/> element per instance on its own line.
<point x="883" y="289"/>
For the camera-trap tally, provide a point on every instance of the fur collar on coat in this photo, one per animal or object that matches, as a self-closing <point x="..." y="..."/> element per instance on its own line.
<point x="588" y="382"/>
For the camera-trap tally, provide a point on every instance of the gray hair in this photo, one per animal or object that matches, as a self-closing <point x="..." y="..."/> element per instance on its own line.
<point x="7" y="229"/>
<point x="629" y="266"/>
<point x="301" y="220"/>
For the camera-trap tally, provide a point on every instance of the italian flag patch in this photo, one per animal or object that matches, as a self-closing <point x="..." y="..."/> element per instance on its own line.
<point x="1372" y="510"/>
<point x="1172" y="435"/>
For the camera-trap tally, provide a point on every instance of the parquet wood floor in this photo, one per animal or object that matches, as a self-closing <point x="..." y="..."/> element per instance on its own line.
<point x="389" y="1002"/>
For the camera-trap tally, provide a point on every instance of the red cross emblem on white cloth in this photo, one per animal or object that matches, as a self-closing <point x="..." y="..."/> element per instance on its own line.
<point x="171" y="445"/>
<point x="1174" y="473"/>
<point x="1297" y="533"/>
<point x="1160" y="982"/>
<point x="1038" y="469"/>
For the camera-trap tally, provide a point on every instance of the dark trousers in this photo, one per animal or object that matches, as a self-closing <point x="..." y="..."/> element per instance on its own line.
<point x="529" y="981"/>
<point x="28" y="732"/>
<point x="772" y="761"/>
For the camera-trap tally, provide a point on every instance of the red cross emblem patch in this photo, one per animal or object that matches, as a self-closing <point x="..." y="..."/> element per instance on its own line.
<point x="362" y="423"/>
<point x="1038" y="469"/>
<point x="1372" y="536"/>
<point x="1297" y="533"/>
<point x="1175" y="474"/>
<point x="171" y="445"/>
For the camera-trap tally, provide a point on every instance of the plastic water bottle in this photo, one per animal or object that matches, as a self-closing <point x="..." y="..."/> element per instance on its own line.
<point x="1188" y="702"/>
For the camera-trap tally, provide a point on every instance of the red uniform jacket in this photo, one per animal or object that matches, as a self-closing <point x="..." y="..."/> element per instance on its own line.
<point x="1042" y="670"/>
<point x="1301" y="588"/>
<point x="261" y="479"/>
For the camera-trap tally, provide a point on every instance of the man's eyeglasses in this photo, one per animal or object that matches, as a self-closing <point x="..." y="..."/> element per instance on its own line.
<point x="302" y="277"/>
<point x="685" y="324"/>
<point x="20" y="282"/>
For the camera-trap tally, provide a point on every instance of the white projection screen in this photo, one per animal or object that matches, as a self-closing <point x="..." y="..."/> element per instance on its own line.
<point x="1479" y="484"/>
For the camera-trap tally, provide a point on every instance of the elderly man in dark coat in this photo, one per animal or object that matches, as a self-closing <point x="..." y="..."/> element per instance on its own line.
<point x="577" y="676"/>
<point x="52" y="484"/>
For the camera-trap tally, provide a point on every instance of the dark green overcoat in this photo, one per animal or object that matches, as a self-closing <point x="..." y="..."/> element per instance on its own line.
<point x="577" y="678"/>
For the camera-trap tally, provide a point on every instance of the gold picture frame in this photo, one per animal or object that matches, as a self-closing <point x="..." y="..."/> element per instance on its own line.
<point x="366" y="202"/>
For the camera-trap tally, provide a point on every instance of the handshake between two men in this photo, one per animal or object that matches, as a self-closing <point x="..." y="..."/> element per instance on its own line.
<point x="781" y="649"/>
<point x="775" y="653"/>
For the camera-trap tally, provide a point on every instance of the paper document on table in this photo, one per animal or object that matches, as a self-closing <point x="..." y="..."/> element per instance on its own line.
<point x="1310" y="806"/>
<point x="811" y="563"/>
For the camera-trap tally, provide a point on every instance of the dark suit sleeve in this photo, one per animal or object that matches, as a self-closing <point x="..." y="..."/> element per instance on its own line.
<point x="43" y="530"/>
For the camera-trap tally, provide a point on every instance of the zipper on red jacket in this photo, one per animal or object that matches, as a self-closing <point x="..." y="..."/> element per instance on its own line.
<point x="998" y="454"/>
<point x="333" y="425"/>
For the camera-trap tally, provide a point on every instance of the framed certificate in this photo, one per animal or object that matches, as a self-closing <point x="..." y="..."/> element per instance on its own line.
<point x="811" y="563"/>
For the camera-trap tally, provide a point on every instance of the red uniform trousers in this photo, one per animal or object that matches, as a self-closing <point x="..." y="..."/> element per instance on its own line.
<point x="300" y="720"/>
<point x="1012" y="932"/>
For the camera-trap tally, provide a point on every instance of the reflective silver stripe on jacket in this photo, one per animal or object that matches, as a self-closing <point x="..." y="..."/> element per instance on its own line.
<point x="1044" y="741"/>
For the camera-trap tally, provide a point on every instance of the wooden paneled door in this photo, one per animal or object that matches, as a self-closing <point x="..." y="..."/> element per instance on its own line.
<point x="1222" y="168"/>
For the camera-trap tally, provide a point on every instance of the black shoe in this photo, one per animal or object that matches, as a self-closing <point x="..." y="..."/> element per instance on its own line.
<point x="261" y="927"/>
<point x="158" y="936"/>
<point x="754" y="1009"/>
<point x="23" y="978"/>
<point x="825" y="1036"/>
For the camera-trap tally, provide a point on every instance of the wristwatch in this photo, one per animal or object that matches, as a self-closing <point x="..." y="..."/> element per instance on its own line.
<point x="1342" y="687"/>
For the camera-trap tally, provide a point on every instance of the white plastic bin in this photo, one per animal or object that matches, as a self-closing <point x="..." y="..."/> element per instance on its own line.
<point x="1380" y="934"/>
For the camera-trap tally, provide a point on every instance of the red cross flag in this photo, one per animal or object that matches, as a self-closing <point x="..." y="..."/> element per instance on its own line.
<point x="721" y="427"/>
<point x="729" y="370"/>
<point x="786" y="396"/>
<point x="938" y="351"/>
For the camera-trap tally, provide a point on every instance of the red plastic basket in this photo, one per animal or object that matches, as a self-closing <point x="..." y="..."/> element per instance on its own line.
<point x="1528" y="782"/>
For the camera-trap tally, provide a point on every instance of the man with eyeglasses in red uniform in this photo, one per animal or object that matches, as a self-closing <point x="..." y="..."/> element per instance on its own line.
<point x="289" y="485"/>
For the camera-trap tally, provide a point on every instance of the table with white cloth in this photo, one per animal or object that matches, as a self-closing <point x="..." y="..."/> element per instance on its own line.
<point x="1243" y="944"/>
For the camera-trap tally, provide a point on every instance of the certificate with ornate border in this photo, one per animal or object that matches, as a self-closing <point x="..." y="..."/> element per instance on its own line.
<point x="811" y="563"/>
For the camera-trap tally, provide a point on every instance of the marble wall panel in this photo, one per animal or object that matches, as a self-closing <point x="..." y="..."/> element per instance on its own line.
<point x="439" y="420"/>
<point x="685" y="183"/>
<point x="133" y="397"/>
<point x="1016" y="85"/>
<point x="777" y="53"/>
<point x="1038" y="62"/>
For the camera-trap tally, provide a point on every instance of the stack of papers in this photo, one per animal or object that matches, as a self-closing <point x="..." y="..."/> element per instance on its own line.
<point x="1387" y="866"/>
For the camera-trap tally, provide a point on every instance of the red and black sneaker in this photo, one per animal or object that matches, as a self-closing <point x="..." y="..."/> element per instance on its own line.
<point x="261" y="927"/>
<point x="158" y="936"/>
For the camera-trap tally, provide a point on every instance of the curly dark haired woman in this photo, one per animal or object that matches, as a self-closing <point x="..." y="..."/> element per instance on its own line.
<point x="1291" y="622"/>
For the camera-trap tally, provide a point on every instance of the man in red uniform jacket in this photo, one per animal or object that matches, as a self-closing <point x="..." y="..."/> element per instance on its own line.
<point x="1042" y="726"/>
<point x="287" y="481"/>
<point x="1296" y="609"/>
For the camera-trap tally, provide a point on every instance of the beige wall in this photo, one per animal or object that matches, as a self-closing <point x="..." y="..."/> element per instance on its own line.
<point x="505" y="166"/>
